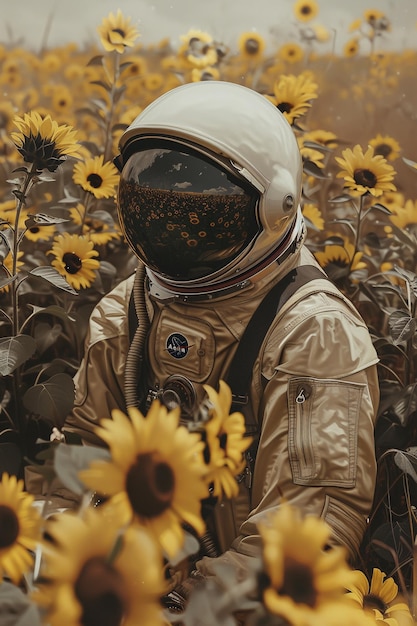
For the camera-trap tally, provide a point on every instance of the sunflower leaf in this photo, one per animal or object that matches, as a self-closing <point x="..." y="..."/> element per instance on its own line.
<point x="406" y="460"/>
<point x="53" y="276"/>
<point x="344" y="197"/>
<point x="41" y="219"/>
<point x="311" y="169"/>
<point x="97" y="60"/>
<point x="53" y="399"/>
<point x="402" y="326"/>
<point x="14" y="351"/>
<point x="69" y="460"/>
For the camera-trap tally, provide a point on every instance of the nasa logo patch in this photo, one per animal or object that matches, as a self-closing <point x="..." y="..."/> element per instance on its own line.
<point x="177" y="346"/>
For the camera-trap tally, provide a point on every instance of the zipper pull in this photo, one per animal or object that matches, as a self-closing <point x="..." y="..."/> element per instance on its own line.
<point x="303" y="392"/>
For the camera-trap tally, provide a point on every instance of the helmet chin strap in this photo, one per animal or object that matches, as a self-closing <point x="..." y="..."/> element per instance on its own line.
<point x="164" y="291"/>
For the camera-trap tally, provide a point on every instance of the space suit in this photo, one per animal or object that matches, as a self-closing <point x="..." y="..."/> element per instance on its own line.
<point x="208" y="200"/>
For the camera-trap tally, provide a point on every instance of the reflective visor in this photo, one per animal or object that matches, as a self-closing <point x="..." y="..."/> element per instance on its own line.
<point x="185" y="215"/>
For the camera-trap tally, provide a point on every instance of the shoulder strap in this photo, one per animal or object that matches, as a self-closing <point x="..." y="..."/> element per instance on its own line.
<point x="240" y="371"/>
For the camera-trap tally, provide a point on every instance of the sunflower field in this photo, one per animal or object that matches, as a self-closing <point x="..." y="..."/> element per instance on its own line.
<point x="111" y="561"/>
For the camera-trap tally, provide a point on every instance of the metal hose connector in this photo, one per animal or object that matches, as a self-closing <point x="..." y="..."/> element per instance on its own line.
<point x="134" y="359"/>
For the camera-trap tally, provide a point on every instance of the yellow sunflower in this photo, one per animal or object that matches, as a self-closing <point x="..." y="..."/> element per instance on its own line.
<point x="20" y="529"/>
<point x="7" y="114"/>
<point x="41" y="141"/>
<point x="293" y="95"/>
<point x="156" y="473"/>
<point x="98" y="231"/>
<point x="386" y="146"/>
<point x="6" y="267"/>
<point x="207" y="73"/>
<point x="299" y="575"/>
<point x="291" y="52"/>
<point x="251" y="45"/>
<point x="339" y="260"/>
<point x="96" y="177"/>
<point x="380" y="599"/>
<point x="74" y="259"/>
<point x="365" y="173"/>
<point x="351" y="48"/>
<point x="404" y="216"/>
<point x="313" y="216"/>
<point x="96" y="572"/>
<point x="117" y="33"/>
<point x="226" y="441"/>
<point x="306" y="10"/>
<point x="198" y="48"/>
<point x="323" y="137"/>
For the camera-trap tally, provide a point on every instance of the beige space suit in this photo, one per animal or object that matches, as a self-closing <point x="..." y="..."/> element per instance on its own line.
<point x="229" y="153"/>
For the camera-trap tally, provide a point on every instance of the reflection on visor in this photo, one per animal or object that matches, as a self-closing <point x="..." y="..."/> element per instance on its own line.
<point x="185" y="217"/>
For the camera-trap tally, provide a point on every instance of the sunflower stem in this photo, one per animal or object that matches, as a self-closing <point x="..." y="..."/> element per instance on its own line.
<point x="109" y="135"/>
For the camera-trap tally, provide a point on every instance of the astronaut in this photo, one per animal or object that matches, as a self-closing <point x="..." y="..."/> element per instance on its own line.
<point x="209" y="202"/>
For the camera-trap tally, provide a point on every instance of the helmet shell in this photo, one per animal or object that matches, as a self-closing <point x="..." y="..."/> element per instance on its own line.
<point x="241" y="125"/>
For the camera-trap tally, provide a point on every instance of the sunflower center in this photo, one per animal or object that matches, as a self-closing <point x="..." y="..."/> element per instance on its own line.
<point x="150" y="485"/>
<point x="251" y="46"/>
<point x="119" y="32"/>
<point x="9" y="527"/>
<point x="383" y="149"/>
<point x="305" y="10"/>
<point x="284" y="107"/>
<point x="298" y="583"/>
<point x="99" y="589"/>
<point x="366" y="178"/>
<point x="372" y="601"/>
<point x="95" y="180"/>
<point x="72" y="262"/>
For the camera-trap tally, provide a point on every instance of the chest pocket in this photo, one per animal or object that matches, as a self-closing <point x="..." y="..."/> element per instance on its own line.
<point x="185" y="346"/>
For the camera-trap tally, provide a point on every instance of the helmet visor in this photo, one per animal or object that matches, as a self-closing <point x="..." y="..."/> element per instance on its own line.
<point x="183" y="214"/>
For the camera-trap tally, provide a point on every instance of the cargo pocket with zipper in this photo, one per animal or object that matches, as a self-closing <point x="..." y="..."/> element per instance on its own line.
<point x="322" y="432"/>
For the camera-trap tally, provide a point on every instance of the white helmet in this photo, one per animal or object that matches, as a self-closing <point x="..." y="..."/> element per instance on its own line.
<point x="210" y="187"/>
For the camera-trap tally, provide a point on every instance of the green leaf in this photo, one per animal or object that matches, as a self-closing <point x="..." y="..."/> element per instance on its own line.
<point x="14" y="351"/>
<point x="53" y="276"/>
<point x="53" y="399"/>
<point x="70" y="460"/>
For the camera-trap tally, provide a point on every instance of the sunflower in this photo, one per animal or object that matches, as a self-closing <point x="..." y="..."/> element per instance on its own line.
<point x="98" y="231"/>
<point x="365" y="173"/>
<point x="313" y="216"/>
<point x="7" y="114"/>
<point x="351" y="48"/>
<point x="40" y="233"/>
<point x="156" y="473"/>
<point x="74" y="259"/>
<point x="226" y="442"/>
<point x="291" y="52"/>
<point x="43" y="142"/>
<point x="198" y="48"/>
<point x="299" y="575"/>
<point x="339" y="260"/>
<point x="379" y="598"/>
<point x="306" y="10"/>
<point x="96" y="177"/>
<point x="325" y="138"/>
<point x="117" y="33"/>
<point x="293" y="95"/>
<point x="94" y="573"/>
<point x="208" y="73"/>
<point x="404" y="216"/>
<point x="20" y="528"/>
<point x="6" y="267"/>
<point x="251" y="45"/>
<point x="386" y="146"/>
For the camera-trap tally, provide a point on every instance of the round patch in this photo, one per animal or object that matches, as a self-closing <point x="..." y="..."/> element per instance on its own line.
<point x="177" y="346"/>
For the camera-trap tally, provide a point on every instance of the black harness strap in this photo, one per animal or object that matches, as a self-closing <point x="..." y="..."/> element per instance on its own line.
<point x="240" y="371"/>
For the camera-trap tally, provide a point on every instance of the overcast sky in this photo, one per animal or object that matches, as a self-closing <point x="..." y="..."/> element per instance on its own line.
<point x="77" y="20"/>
